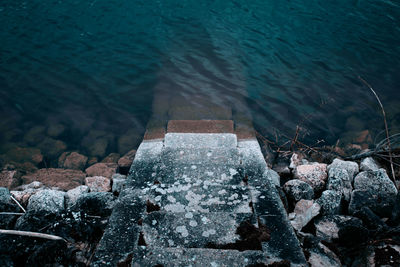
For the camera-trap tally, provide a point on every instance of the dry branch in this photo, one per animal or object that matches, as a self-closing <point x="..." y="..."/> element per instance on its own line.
<point x="32" y="234"/>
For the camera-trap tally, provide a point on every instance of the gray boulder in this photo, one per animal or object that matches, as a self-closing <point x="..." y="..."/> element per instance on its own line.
<point x="349" y="166"/>
<point x="296" y="190"/>
<point x="322" y="256"/>
<point x="304" y="212"/>
<point x="50" y="201"/>
<point x="346" y="230"/>
<point x="339" y="180"/>
<point x="73" y="194"/>
<point x="374" y="190"/>
<point x="95" y="203"/>
<point x="369" y="164"/>
<point x="330" y="202"/>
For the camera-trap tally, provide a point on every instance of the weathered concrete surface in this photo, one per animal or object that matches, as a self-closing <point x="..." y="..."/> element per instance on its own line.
<point x="200" y="199"/>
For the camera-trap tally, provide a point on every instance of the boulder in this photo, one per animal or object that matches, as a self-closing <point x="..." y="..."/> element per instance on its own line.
<point x="102" y="169"/>
<point x="26" y="192"/>
<point x="50" y="201"/>
<point x="35" y="135"/>
<point x="314" y="174"/>
<point x="304" y="212"/>
<point x="95" y="203"/>
<point x="346" y="230"/>
<point x="128" y="141"/>
<point x="118" y="183"/>
<point x="98" y="184"/>
<point x="8" y="179"/>
<point x="125" y="161"/>
<point x="55" y="130"/>
<point x="369" y="164"/>
<point x="111" y="158"/>
<point x="73" y="194"/>
<point x="24" y="154"/>
<point x="350" y="166"/>
<point x="322" y="256"/>
<point x="374" y="190"/>
<point x="6" y="203"/>
<point x="72" y="160"/>
<point x="339" y="180"/>
<point x="297" y="190"/>
<point x="63" y="179"/>
<point x="52" y="147"/>
<point x="96" y="143"/>
<point x="99" y="147"/>
<point x="370" y="219"/>
<point x="330" y="202"/>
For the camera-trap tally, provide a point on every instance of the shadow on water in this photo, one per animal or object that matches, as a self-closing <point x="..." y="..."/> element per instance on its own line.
<point x="93" y="74"/>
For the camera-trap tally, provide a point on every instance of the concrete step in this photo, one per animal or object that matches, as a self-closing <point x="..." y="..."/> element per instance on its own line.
<point x="200" y="140"/>
<point x="204" y="196"/>
<point x="193" y="229"/>
<point x="201" y="257"/>
<point x="200" y="156"/>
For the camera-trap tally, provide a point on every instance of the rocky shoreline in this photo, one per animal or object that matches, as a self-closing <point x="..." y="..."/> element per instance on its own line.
<point x="344" y="213"/>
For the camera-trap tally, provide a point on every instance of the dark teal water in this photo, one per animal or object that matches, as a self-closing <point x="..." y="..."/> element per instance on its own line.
<point x="97" y="65"/>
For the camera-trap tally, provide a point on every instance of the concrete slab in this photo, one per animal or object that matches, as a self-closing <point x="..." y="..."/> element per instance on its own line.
<point x="192" y="229"/>
<point x="200" y="126"/>
<point x="196" y="257"/>
<point x="203" y="196"/>
<point x="200" y="140"/>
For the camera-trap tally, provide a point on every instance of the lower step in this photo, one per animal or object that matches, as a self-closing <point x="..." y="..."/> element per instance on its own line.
<point x="196" y="257"/>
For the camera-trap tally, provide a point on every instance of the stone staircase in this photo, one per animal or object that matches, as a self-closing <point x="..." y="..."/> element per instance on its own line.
<point x="199" y="199"/>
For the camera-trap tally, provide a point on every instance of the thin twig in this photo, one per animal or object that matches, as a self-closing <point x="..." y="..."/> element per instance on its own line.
<point x="31" y="234"/>
<point x="386" y="126"/>
<point x="19" y="205"/>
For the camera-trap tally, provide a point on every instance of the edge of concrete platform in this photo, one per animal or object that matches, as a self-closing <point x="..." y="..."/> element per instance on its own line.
<point x="200" y="126"/>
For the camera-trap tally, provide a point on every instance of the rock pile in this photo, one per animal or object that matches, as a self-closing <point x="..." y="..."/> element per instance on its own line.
<point x="342" y="212"/>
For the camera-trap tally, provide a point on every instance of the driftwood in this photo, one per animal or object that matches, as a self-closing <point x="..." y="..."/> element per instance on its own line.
<point x="32" y="234"/>
<point x="19" y="205"/>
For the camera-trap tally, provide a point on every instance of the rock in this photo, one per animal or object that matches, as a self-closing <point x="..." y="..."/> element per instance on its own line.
<point x="52" y="147"/>
<point x="395" y="216"/>
<point x="350" y="166"/>
<point x="375" y="190"/>
<point x="296" y="190"/>
<point x="363" y="137"/>
<point x="96" y="143"/>
<point x="304" y="212"/>
<point x="370" y="219"/>
<point x="91" y="161"/>
<point x="314" y="174"/>
<point x="8" y="179"/>
<point x="322" y="256"/>
<point x="128" y="141"/>
<point x="50" y="201"/>
<point x="98" y="184"/>
<point x="111" y="158"/>
<point x="125" y="161"/>
<point x="296" y="160"/>
<point x="55" y="130"/>
<point x="346" y="230"/>
<point x="35" y="135"/>
<point x="95" y="203"/>
<point x="99" y="147"/>
<point x="73" y="194"/>
<point x="369" y="164"/>
<point x="24" y="154"/>
<point x="72" y="160"/>
<point x="119" y="183"/>
<point x="102" y="169"/>
<point x="340" y="181"/>
<point x="64" y="179"/>
<point x="353" y="123"/>
<point x="27" y="191"/>
<point x="6" y="203"/>
<point x="330" y="202"/>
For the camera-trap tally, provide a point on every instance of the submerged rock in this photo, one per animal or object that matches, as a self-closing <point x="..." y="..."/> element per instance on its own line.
<point x="125" y="161"/>
<point x="314" y="174"/>
<point x="304" y="212"/>
<point x="297" y="190"/>
<point x="102" y="169"/>
<point x="52" y="147"/>
<point x="375" y="190"/>
<point x="111" y="158"/>
<point x="24" y="154"/>
<point x="8" y="179"/>
<point x="64" y="179"/>
<point x="55" y="130"/>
